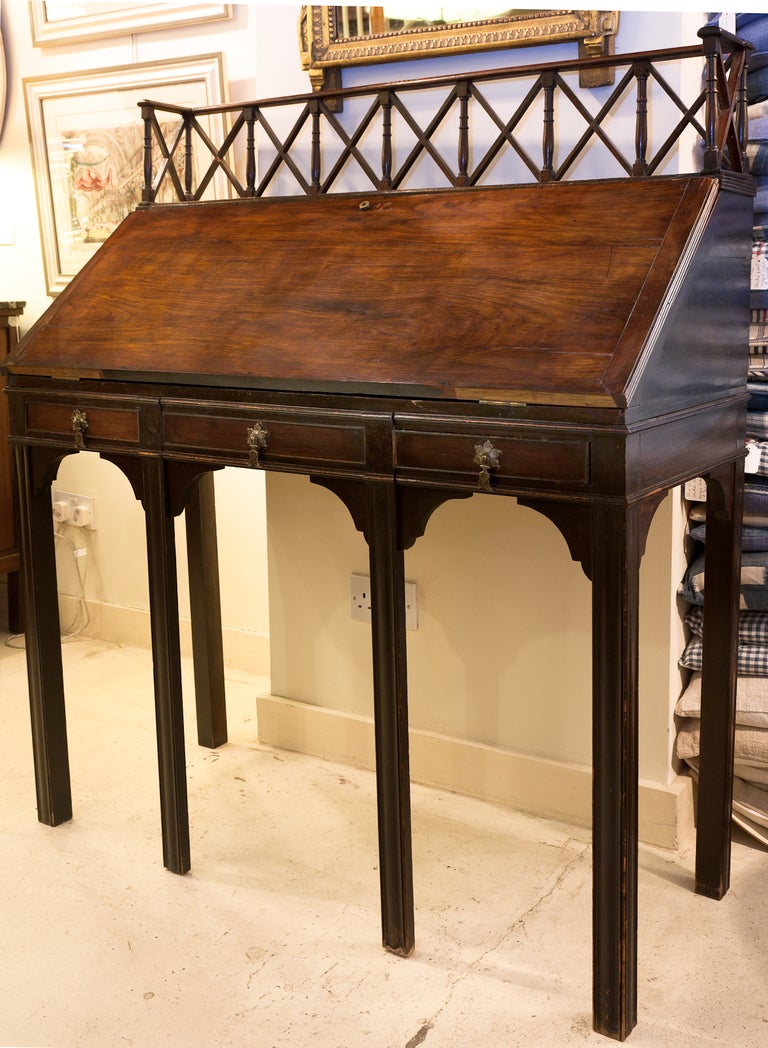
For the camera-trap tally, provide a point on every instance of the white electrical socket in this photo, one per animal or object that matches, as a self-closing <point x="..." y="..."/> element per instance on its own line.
<point x="360" y="601"/>
<point x="78" y="510"/>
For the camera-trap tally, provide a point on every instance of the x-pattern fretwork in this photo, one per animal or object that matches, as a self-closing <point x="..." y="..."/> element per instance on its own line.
<point x="394" y="106"/>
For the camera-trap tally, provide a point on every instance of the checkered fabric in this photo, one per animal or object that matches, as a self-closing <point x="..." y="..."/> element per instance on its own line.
<point x="757" y="425"/>
<point x="753" y="626"/>
<point x="753" y="582"/>
<point x="752" y="659"/>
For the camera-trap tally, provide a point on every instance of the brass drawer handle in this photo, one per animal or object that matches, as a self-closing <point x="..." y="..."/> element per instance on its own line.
<point x="257" y="439"/>
<point x="487" y="458"/>
<point x="79" y="426"/>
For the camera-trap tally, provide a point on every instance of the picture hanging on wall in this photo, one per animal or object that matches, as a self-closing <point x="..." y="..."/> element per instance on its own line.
<point x="62" y="22"/>
<point x="87" y="140"/>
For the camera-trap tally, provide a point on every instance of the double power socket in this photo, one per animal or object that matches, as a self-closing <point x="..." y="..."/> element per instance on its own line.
<point x="360" y="601"/>
<point x="78" y="510"/>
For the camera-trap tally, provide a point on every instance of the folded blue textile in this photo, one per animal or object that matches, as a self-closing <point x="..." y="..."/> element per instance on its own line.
<point x="751" y="659"/>
<point x="760" y="203"/>
<point x="754" y="540"/>
<point x="757" y="155"/>
<point x="753" y="625"/>
<point x="757" y="425"/>
<point x="756" y="495"/>
<point x="753" y="582"/>
<point x="745" y="23"/>
<point x="757" y="85"/>
<point x="758" y="396"/>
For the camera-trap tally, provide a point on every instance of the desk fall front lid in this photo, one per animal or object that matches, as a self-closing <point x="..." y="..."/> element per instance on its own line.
<point x="603" y="294"/>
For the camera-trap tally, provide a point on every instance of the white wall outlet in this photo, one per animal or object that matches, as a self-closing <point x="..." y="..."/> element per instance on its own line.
<point x="69" y="508"/>
<point x="360" y="601"/>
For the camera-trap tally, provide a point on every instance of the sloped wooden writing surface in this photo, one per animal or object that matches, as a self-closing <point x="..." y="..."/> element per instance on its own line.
<point x="549" y="293"/>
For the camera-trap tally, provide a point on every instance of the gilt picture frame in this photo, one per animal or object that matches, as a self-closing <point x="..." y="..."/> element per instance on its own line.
<point x="325" y="49"/>
<point x="87" y="138"/>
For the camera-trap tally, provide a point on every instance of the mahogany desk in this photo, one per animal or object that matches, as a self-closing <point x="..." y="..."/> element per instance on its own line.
<point x="579" y="346"/>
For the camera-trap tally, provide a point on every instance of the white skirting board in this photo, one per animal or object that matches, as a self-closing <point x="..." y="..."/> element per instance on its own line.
<point x="244" y="649"/>
<point x="527" y="783"/>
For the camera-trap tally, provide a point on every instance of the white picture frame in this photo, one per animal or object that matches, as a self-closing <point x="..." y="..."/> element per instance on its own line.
<point x="87" y="136"/>
<point x="63" y="22"/>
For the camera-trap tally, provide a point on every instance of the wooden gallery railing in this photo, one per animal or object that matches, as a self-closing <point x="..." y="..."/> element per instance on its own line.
<point x="175" y="157"/>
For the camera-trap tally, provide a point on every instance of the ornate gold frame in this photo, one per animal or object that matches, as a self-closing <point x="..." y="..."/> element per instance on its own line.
<point x="324" y="52"/>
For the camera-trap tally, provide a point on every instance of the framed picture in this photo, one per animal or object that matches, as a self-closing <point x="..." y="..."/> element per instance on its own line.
<point x="87" y="140"/>
<point x="64" y="22"/>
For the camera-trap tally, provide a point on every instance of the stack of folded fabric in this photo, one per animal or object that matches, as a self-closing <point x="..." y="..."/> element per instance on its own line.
<point x="754" y="27"/>
<point x="750" y="787"/>
<point x="750" y="802"/>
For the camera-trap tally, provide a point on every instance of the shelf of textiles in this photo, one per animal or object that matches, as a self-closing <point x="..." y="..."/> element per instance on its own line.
<point x="750" y="790"/>
<point x="750" y="794"/>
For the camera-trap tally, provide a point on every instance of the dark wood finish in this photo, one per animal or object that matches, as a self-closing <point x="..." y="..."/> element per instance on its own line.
<point x="718" y="699"/>
<point x="615" y="600"/>
<point x="9" y="554"/>
<point x="425" y="109"/>
<point x="540" y="341"/>
<point x="205" y="611"/>
<point x="166" y="659"/>
<point x="391" y="719"/>
<point x="300" y="313"/>
<point x="35" y="468"/>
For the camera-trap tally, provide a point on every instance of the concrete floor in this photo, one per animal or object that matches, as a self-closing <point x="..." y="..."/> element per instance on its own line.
<point x="273" y="939"/>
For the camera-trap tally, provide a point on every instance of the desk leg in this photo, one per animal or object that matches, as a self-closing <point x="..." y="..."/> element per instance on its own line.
<point x="205" y="607"/>
<point x="718" y="684"/>
<point x="615" y="599"/>
<point x="391" y="720"/>
<point x="164" y="615"/>
<point x="43" y="645"/>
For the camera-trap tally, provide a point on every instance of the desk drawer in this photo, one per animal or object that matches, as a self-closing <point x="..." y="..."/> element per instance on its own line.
<point x="84" y="424"/>
<point x="263" y="438"/>
<point x="461" y="458"/>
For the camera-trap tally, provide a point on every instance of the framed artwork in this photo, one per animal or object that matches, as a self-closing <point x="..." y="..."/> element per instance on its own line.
<point x="63" y="22"/>
<point x="331" y="38"/>
<point x="87" y="140"/>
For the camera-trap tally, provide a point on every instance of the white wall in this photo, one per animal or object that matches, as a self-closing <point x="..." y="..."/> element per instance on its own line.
<point x="501" y="657"/>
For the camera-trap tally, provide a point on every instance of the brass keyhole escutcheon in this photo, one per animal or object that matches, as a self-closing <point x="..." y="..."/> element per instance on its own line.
<point x="487" y="458"/>
<point x="257" y="438"/>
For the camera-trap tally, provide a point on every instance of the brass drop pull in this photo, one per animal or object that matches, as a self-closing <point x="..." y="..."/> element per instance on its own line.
<point x="487" y="458"/>
<point x="257" y="439"/>
<point x="79" y="426"/>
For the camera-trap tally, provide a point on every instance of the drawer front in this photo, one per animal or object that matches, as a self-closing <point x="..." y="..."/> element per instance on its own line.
<point x="84" y="424"/>
<point x="261" y="439"/>
<point x="480" y="456"/>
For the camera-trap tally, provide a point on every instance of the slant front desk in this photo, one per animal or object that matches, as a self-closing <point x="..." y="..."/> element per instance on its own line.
<point x="577" y="345"/>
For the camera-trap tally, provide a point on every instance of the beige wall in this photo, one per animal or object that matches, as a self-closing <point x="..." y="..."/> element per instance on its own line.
<point x="502" y="652"/>
<point x="501" y="657"/>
